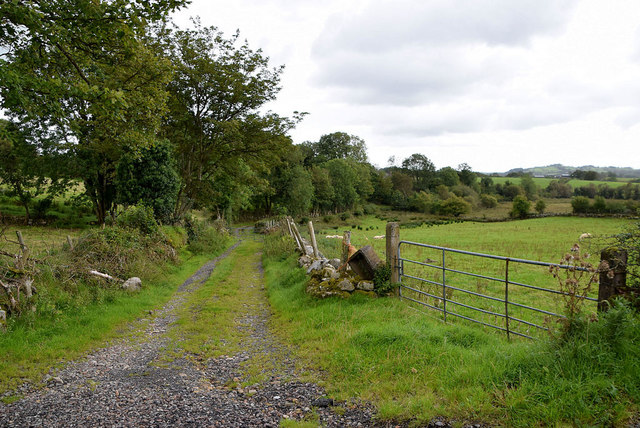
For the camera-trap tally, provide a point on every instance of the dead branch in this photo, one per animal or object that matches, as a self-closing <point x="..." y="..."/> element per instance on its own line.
<point x="13" y="304"/>
<point x="105" y="276"/>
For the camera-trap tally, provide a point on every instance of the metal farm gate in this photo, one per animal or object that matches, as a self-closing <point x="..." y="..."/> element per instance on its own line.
<point x="503" y="298"/>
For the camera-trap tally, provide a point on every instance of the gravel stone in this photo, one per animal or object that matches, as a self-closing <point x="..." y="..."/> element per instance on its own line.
<point x="128" y="384"/>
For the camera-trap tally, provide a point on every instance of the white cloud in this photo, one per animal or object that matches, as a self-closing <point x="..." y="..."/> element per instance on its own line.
<point x="495" y="83"/>
<point x="385" y="25"/>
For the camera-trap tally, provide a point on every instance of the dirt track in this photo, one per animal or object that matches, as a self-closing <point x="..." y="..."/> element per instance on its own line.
<point x="123" y="384"/>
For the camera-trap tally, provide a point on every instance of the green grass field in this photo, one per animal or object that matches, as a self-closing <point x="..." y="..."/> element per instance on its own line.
<point x="544" y="182"/>
<point x="543" y="239"/>
<point x="41" y="241"/>
<point x="414" y="367"/>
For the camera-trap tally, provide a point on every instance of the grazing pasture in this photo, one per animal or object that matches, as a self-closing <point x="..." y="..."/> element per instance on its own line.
<point x="543" y="239"/>
<point x="543" y="182"/>
<point x="414" y="367"/>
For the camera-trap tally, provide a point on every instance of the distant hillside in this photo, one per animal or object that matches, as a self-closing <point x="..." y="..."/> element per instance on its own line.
<point x="559" y="170"/>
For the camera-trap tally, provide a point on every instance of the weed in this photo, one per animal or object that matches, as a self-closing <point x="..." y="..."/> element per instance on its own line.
<point x="8" y="399"/>
<point x="575" y="281"/>
<point x="278" y="245"/>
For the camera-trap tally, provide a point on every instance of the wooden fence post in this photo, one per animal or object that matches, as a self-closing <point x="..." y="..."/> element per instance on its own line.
<point x="293" y="234"/>
<point x="612" y="281"/>
<point x="70" y="242"/>
<point x="393" y="240"/>
<point x="312" y="235"/>
<point x="24" y="252"/>
<point x="299" y="237"/>
<point x="346" y="241"/>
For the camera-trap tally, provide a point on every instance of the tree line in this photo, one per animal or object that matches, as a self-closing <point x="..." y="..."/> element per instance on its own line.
<point x="114" y="95"/>
<point x="139" y="111"/>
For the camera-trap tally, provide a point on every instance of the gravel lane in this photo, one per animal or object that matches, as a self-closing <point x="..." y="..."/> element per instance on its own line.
<point x="125" y="383"/>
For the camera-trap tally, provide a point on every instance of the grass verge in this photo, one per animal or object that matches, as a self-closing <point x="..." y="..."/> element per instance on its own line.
<point x="35" y="344"/>
<point x="413" y="367"/>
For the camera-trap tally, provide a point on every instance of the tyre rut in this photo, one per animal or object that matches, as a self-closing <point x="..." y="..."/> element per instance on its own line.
<point x="122" y="384"/>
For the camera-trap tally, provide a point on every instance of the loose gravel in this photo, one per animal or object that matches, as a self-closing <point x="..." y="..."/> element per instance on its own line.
<point x="129" y="383"/>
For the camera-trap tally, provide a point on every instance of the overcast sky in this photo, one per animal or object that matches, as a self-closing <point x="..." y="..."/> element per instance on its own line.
<point x="497" y="84"/>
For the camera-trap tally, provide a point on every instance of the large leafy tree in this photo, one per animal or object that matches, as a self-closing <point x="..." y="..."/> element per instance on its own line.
<point x="83" y="72"/>
<point x="290" y="188"/>
<point x="421" y="169"/>
<point x="339" y="145"/>
<point x="215" y="121"/>
<point x="20" y="165"/>
<point x="149" y="178"/>
<point x="351" y="182"/>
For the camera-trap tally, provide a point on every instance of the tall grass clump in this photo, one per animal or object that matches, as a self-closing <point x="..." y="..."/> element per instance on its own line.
<point x="206" y="237"/>
<point x="278" y="245"/>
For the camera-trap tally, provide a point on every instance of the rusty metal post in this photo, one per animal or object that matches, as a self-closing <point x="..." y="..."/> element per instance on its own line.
<point x="393" y="241"/>
<point x="613" y="280"/>
<point x="312" y="235"/>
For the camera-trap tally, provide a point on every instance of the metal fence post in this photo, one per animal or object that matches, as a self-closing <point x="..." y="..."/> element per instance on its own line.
<point x="506" y="296"/>
<point x="612" y="281"/>
<point x="444" y="286"/>
<point x="393" y="241"/>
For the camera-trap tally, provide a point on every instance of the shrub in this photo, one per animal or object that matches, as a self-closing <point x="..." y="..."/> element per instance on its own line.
<point x="120" y="251"/>
<point x="454" y="206"/>
<point x="599" y="205"/>
<point x="425" y="202"/>
<point x="540" y="206"/>
<point x="510" y="191"/>
<point x="205" y="237"/>
<point x="138" y="217"/>
<point x="520" y="208"/>
<point x="41" y="207"/>
<point x="488" y="201"/>
<point x="629" y="241"/>
<point x="382" y="280"/>
<point x="616" y="207"/>
<point x="580" y="204"/>
<point x="344" y="216"/>
<point x="369" y="209"/>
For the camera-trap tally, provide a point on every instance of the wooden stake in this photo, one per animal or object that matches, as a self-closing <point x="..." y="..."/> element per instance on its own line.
<point x="70" y="242"/>
<point x="24" y="250"/>
<point x="312" y="234"/>
<point x="295" y="237"/>
<point x="346" y="241"/>
<point x="297" y="232"/>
